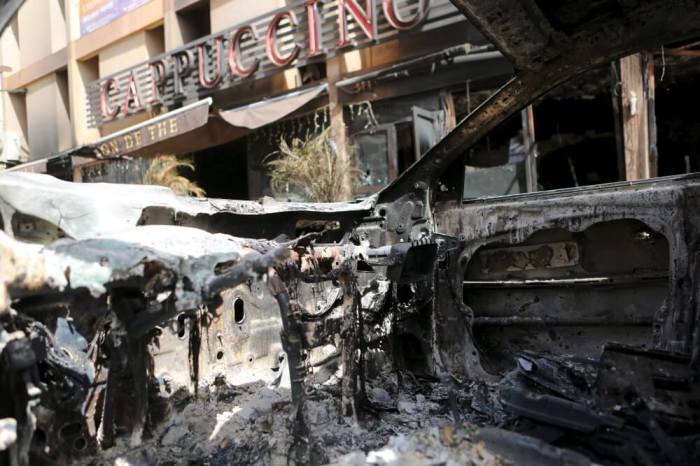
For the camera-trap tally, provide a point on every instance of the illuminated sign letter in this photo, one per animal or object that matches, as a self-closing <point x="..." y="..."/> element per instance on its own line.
<point x="131" y="95"/>
<point x="108" y="112"/>
<point x="367" y="19"/>
<point x="391" y="11"/>
<point x="312" y="20"/>
<point x="183" y="62"/>
<point x="234" y="53"/>
<point x="206" y="82"/>
<point x="273" y="52"/>
<point x="158" y="76"/>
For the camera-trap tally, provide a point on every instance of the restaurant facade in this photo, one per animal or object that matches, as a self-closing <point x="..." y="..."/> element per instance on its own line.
<point x="220" y="82"/>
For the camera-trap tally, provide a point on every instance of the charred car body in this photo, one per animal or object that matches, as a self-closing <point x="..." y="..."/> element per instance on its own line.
<point x="579" y="306"/>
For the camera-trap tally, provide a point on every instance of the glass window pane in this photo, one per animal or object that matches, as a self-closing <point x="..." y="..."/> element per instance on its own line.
<point x="494" y="181"/>
<point x="373" y="158"/>
<point x="425" y="134"/>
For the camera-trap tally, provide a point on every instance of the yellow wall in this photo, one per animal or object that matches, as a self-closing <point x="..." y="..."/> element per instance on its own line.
<point x="42" y="29"/>
<point x="130" y="51"/>
<point x="123" y="54"/>
<point x="48" y="121"/>
<point x="13" y="113"/>
<point x="227" y="13"/>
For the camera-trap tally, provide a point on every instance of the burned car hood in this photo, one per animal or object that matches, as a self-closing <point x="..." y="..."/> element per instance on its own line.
<point x="92" y="264"/>
<point x="92" y="209"/>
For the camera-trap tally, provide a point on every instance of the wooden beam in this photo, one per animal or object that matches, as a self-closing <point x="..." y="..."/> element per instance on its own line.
<point x="650" y="87"/>
<point x="334" y="73"/>
<point x="616" y="93"/>
<point x="681" y="53"/>
<point x="528" y="125"/>
<point x="638" y="123"/>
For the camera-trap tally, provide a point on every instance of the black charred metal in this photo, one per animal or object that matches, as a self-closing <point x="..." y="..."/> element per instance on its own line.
<point x="578" y="307"/>
<point x="254" y="264"/>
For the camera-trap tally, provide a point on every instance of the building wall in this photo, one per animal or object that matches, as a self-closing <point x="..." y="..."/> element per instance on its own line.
<point x="48" y="121"/>
<point x="226" y="13"/>
<point x="34" y="23"/>
<point x="57" y="10"/>
<point x="51" y="62"/>
<point x="124" y="53"/>
<point x="36" y="111"/>
<point x="13" y="108"/>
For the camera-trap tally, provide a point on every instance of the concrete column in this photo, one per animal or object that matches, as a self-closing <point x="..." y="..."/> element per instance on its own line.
<point x="58" y="13"/>
<point x="173" y="35"/>
<point x="80" y="73"/>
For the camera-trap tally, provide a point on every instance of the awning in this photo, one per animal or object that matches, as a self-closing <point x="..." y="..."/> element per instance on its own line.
<point x="259" y="114"/>
<point x="148" y="134"/>
<point x="154" y="130"/>
<point x="35" y="166"/>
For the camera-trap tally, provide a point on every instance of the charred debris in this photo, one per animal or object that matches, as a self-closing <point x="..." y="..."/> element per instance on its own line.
<point x="117" y="314"/>
<point x="412" y="327"/>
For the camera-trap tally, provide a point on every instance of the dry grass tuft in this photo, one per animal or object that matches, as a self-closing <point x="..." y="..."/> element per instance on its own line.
<point x="312" y="170"/>
<point x="164" y="172"/>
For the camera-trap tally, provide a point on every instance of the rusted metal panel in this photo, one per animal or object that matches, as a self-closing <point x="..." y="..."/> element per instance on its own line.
<point x="563" y="254"/>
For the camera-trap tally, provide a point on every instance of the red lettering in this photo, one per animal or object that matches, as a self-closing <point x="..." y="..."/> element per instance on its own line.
<point x="312" y="19"/>
<point x="206" y="82"/>
<point x="273" y="52"/>
<point x="158" y="75"/>
<point x="132" y="95"/>
<point x="183" y="61"/>
<point x="367" y="19"/>
<point x="234" y="53"/>
<point x="107" y="110"/>
<point x="394" y="18"/>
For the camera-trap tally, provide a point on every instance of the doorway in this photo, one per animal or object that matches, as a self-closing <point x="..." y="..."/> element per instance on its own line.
<point x="222" y="171"/>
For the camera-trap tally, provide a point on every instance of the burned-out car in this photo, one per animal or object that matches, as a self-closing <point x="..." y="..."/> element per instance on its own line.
<point x="556" y="327"/>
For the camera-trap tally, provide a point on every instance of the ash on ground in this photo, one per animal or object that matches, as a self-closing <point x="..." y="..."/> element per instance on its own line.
<point x="406" y="419"/>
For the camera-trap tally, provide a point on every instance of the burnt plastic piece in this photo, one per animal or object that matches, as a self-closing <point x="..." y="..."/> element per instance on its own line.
<point x="557" y="411"/>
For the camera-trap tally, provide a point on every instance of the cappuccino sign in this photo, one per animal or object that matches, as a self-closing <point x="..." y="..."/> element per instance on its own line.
<point x="303" y="32"/>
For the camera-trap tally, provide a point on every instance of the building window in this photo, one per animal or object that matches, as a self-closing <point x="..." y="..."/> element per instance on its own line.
<point x="376" y="157"/>
<point x="194" y="21"/>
